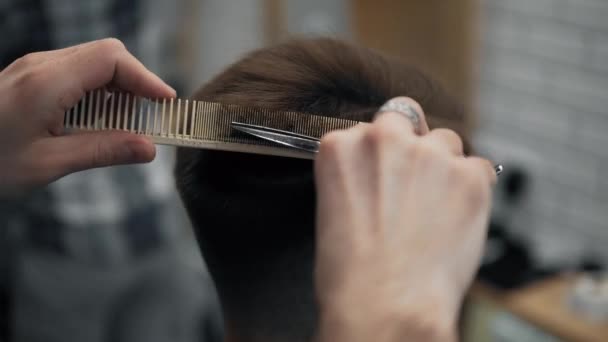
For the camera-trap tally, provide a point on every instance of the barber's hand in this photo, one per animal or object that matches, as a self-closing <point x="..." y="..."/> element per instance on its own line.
<point x="36" y="91"/>
<point x="401" y="221"/>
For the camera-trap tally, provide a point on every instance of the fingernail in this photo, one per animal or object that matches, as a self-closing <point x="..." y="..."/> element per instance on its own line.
<point x="166" y="85"/>
<point x="172" y="90"/>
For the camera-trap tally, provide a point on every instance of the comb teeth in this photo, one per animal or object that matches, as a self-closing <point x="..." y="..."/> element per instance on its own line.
<point x="193" y="123"/>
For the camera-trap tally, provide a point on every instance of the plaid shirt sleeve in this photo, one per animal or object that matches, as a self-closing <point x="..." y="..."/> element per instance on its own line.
<point x="125" y="203"/>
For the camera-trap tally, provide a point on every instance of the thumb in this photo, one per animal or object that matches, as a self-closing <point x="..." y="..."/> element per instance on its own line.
<point x="85" y="151"/>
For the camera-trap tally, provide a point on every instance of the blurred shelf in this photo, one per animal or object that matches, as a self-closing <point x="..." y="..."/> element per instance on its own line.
<point x="541" y="305"/>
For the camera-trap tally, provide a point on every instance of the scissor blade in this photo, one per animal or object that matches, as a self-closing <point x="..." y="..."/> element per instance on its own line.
<point x="289" y="139"/>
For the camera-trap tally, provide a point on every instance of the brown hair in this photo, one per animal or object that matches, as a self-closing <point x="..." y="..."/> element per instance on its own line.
<point x="254" y="215"/>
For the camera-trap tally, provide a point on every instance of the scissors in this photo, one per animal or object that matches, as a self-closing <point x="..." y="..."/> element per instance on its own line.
<point x="294" y="140"/>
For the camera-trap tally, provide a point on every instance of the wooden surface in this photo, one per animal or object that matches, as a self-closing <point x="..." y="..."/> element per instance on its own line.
<point x="544" y="305"/>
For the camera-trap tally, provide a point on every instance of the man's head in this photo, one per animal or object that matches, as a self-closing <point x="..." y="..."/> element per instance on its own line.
<point x="254" y="215"/>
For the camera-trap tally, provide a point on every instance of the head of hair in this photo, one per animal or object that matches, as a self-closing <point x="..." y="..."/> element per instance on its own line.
<point x="254" y="215"/>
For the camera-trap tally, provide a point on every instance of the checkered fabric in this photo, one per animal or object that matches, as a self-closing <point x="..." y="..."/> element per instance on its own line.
<point x="103" y="214"/>
<point x="95" y="221"/>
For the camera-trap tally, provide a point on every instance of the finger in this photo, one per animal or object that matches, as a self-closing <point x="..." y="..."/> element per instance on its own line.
<point x="486" y="166"/>
<point x="336" y="170"/>
<point x="107" y="61"/>
<point x="65" y="51"/>
<point x="79" y="152"/>
<point x="336" y="153"/>
<point x="447" y="139"/>
<point x="74" y="48"/>
<point x="44" y="57"/>
<point x="409" y="109"/>
<point x="36" y="58"/>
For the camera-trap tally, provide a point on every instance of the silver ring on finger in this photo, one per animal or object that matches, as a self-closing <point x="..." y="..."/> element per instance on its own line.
<point x="404" y="109"/>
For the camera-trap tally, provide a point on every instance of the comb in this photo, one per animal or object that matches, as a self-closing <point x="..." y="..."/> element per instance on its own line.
<point x="192" y="123"/>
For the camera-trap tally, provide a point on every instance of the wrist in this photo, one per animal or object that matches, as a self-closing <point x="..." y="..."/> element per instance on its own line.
<point x="429" y="320"/>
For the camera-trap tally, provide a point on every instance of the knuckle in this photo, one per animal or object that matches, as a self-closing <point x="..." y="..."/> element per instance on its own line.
<point x="332" y="143"/>
<point x="26" y="78"/>
<point x="464" y="175"/>
<point x="473" y="182"/>
<point x="68" y="98"/>
<point x="420" y="152"/>
<point x="112" y="45"/>
<point x="28" y="82"/>
<point x="26" y="60"/>
<point x="451" y="135"/>
<point x="334" y="152"/>
<point x="444" y="137"/>
<point x="382" y="132"/>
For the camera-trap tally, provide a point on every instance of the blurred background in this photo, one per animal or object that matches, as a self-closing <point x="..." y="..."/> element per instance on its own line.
<point x="108" y="255"/>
